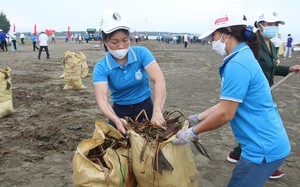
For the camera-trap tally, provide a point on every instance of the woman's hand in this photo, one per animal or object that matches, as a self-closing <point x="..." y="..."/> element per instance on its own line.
<point x="295" y="68"/>
<point x="120" y="125"/>
<point x="158" y="119"/>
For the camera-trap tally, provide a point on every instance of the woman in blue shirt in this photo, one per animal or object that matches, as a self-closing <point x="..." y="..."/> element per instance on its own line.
<point x="126" y="72"/>
<point x="245" y="102"/>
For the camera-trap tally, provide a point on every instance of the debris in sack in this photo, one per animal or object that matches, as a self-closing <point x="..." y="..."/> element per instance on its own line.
<point x="154" y="135"/>
<point x="96" y="155"/>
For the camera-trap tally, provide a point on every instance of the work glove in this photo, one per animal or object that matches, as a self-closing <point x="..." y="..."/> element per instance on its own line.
<point x="193" y="120"/>
<point x="184" y="136"/>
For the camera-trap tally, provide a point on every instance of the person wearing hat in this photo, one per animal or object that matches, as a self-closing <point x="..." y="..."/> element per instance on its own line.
<point x="126" y="71"/>
<point x="43" y="42"/>
<point x="257" y="127"/>
<point x="278" y="42"/>
<point x="288" y="47"/>
<point x="268" y="27"/>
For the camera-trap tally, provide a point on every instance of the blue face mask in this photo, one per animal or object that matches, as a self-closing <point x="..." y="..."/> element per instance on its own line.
<point x="270" y="31"/>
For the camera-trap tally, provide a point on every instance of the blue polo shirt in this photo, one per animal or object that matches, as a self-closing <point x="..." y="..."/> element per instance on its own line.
<point x="128" y="84"/>
<point x="257" y="124"/>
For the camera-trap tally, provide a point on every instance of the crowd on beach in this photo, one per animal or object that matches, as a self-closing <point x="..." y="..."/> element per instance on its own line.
<point x="180" y="38"/>
<point x="84" y="37"/>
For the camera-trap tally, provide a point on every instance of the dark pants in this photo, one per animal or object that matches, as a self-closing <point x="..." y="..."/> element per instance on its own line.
<point x="41" y="49"/>
<point x="277" y="49"/>
<point x="4" y="44"/>
<point x="133" y="110"/>
<point x="22" y="40"/>
<point x="237" y="150"/>
<point x="14" y="44"/>
<point x="34" y="46"/>
<point x="185" y="44"/>
<point x="250" y="174"/>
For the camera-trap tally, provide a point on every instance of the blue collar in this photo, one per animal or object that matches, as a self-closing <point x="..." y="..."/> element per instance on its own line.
<point x="237" y="49"/>
<point x="112" y="63"/>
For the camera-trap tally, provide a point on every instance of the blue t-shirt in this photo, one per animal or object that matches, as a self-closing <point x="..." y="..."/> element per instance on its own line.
<point x="128" y="84"/>
<point x="2" y="36"/>
<point x="289" y="42"/>
<point x="257" y="124"/>
<point x="33" y="38"/>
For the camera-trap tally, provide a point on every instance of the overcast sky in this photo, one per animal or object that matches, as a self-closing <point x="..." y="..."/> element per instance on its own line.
<point x="191" y="16"/>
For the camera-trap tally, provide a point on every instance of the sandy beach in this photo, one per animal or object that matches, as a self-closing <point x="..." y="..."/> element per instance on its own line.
<point x="37" y="142"/>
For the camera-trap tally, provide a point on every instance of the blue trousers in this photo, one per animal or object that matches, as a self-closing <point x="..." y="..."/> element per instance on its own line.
<point x="249" y="174"/>
<point x="133" y="110"/>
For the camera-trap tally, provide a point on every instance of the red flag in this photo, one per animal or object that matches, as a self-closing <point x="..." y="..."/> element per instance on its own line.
<point x="69" y="33"/>
<point x="14" y="28"/>
<point x="34" y="32"/>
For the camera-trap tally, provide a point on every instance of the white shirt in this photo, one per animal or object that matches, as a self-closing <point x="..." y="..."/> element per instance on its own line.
<point x="43" y="39"/>
<point x="278" y="42"/>
<point x="185" y="37"/>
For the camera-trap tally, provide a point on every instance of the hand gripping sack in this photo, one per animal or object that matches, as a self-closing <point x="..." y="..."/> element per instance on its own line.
<point x="114" y="168"/>
<point x="72" y="71"/>
<point x="183" y="169"/>
<point x="6" y="104"/>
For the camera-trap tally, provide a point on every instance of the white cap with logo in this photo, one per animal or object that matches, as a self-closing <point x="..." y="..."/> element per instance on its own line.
<point x="223" y="20"/>
<point x="269" y="16"/>
<point x="112" y="20"/>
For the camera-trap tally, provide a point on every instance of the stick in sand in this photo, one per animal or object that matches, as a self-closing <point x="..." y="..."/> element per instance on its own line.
<point x="282" y="80"/>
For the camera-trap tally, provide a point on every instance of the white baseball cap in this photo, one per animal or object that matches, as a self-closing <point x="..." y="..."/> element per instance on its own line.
<point x="224" y="19"/>
<point x="269" y="16"/>
<point x="113" y="19"/>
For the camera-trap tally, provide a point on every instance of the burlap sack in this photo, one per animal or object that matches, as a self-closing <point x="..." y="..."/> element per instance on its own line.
<point x="6" y="104"/>
<point x="281" y="49"/>
<point x="118" y="172"/>
<point x="84" y="66"/>
<point x="184" y="171"/>
<point x="72" y="71"/>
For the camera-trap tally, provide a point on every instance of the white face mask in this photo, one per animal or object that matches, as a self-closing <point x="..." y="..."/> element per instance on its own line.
<point x="119" y="54"/>
<point x="219" y="47"/>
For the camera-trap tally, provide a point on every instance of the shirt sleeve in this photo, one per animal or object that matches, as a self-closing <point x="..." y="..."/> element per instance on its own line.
<point x="99" y="74"/>
<point x="235" y="82"/>
<point x="147" y="57"/>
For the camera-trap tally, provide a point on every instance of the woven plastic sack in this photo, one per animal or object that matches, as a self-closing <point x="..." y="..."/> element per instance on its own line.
<point x="72" y="71"/>
<point x="84" y="66"/>
<point x="118" y="172"/>
<point x="281" y="49"/>
<point x="184" y="171"/>
<point x="6" y="104"/>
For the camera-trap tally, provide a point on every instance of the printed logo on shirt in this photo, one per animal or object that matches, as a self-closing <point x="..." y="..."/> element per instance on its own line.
<point x="138" y="75"/>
